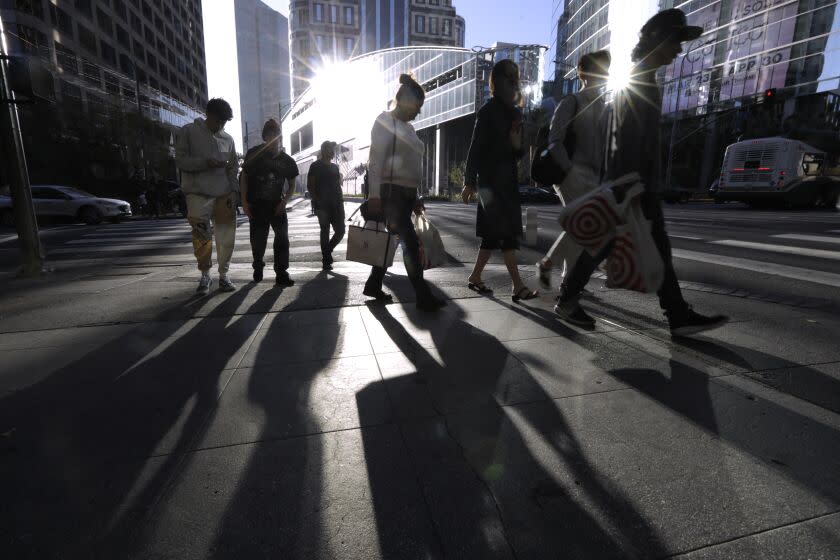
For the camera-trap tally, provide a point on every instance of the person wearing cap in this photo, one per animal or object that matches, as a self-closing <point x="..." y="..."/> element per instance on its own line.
<point x="324" y="185"/>
<point x="268" y="180"/>
<point x="637" y="147"/>
<point x="206" y="157"/>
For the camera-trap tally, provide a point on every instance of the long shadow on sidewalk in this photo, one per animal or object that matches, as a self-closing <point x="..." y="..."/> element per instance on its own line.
<point x="93" y="445"/>
<point x="488" y="494"/>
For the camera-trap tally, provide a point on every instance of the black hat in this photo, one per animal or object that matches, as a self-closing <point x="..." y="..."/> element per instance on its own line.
<point x="671" y="24"/>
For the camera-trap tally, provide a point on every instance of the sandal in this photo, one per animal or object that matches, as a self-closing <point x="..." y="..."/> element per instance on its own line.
<point x="479" y="287"/>
<point x="528" y="294"/>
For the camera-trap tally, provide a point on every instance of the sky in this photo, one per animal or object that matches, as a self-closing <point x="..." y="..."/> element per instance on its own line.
<point x="488" y="21"/>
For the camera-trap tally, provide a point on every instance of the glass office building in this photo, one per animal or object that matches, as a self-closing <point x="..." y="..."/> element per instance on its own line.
<point x="343" y="102"/>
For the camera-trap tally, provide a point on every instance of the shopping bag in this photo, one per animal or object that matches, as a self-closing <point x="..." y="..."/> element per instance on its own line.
<point x="432" y="253"/>
<point x="634" y="262"/>
<point x="591" y="220"/>
<point x="370" y="243"/>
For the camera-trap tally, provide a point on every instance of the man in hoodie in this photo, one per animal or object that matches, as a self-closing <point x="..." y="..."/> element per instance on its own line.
<point x="206" y="156"/>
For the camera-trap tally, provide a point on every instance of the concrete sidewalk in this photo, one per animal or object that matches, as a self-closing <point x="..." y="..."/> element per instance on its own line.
<point x="138" y="421"/>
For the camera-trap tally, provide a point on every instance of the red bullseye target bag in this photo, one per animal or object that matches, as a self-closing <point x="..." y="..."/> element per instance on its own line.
<point x="591" y="220"/>
<point x="634" y="262"/>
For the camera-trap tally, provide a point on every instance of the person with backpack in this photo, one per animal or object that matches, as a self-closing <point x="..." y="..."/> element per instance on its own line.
<point x="576" y="144"/>
<point x="324" y="186"/>
<point x="636" y="146"/>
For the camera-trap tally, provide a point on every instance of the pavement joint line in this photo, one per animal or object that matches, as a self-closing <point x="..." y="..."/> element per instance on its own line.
<point x="754" y="533"/>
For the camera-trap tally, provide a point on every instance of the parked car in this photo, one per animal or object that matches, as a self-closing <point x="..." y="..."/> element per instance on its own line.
<point x="68" y="202"/>
<point x="537" y="195"/>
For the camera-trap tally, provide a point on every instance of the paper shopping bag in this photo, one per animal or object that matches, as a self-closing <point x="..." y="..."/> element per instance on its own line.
<point x="634" y="262"/>
<point x="370" y="243"/>
<point x="432" y="253"/>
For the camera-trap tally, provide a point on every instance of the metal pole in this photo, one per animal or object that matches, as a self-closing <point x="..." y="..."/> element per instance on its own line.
<point x="26" y="223"/>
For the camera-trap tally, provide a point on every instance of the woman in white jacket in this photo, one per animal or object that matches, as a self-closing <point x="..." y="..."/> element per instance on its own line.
<point x="583" y="115"/>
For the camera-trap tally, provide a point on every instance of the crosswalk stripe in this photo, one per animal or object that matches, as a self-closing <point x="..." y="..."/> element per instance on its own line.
<point x="145" y="239"/>
<point x="801" y="251"/>
<point x="817" y="238"/>
<point x="773" y="269"/>
<point x="690" y="237"/>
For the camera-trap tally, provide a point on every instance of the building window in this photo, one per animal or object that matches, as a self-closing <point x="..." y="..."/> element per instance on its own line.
<point x="61" y="19"/>
<point x="31" y="40"/>
<point x="104" y="21"/>
<point x="419" y="24"/>
<point x="139" y="50"/>
<point x="433" y="26"/>
<point x="447" y="27"/>
<point x="348" y="16"/>
<point x="32" y="7"/>
<point x="349" y="46"/>
<point x="302" y="17"/>
<point x="304" y="48"/>
<point x="108" y="53"/>
<point x="136" y="23"/>
<point x="87" y="39"/>
<point x="434" y="2"/>
<point x="319" y="43"/>
<point x="66" y="59"/>
<point x="319" y="12"/>
<point x="333" y="14"/>
<point x="85" y="8"/>
<point x="126" y="65"/>
<point x="90" y="72"/>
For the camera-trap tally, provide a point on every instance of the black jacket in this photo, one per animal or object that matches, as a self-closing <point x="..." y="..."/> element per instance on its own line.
<point x="492" y="168"/>
<point x="636" y="137"/>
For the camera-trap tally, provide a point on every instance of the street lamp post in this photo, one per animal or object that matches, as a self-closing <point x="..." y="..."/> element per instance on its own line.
<point x="11" y="145"/>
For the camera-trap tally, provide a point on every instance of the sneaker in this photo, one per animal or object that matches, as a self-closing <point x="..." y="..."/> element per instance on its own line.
<point x="284" y="280"/>
<point x="226" y="285"/>
<point x="378" y="295"/>
<point x="430" y="303"/>
<point x="694" y="323"/>
<point x="204" y="285"/>
<point x="572" y="312"/>
<point x="544" y="276"/>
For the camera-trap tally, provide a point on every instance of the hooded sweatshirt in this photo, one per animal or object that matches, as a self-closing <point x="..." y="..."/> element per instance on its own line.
<point x="196" y="144"/>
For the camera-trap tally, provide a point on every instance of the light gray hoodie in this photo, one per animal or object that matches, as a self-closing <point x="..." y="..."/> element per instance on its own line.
<point x="195" y="144"/>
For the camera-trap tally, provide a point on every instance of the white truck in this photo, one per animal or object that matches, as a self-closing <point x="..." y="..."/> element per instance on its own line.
<point x="782" y="170"/>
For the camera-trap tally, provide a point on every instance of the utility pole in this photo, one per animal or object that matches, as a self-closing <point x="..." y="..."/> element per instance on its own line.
<point x="11" y="145"/>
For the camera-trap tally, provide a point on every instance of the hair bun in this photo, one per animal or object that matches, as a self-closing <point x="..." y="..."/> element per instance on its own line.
<point x="406" y="79"/>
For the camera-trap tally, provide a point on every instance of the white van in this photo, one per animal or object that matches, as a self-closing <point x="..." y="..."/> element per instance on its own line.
<point x="778" y="169"/>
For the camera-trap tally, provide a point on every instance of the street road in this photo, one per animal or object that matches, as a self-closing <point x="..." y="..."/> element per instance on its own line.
<point x="776" y="254"/>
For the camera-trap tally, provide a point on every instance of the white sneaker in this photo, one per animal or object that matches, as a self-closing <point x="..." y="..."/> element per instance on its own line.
<point x="204" y="285"/>
<point x="226" y="285"/>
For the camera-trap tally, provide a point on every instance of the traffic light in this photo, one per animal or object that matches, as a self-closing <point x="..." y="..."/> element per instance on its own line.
<point x="770" y="94"/>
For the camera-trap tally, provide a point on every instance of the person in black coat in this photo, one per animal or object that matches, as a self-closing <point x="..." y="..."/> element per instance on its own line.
<point x="492" y="174"/>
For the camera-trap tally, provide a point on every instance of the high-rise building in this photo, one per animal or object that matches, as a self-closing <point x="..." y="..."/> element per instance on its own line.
<point x="106" y="48"/>
<point x="324" y="31"/>
<point x="262" y="48"/>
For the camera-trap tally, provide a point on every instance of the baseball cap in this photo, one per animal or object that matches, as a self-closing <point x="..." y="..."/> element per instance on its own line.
<point x="671" y="24"/>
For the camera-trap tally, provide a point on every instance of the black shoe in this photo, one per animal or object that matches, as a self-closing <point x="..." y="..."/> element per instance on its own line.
<point x="284" y="280"/>
<point x="572" y="312"/>
<point x="258" y="274"/>
<point x="378" y="295"/>
<point x="327" y="265"/>
<point x="430" y="303"/>
<point x="693" y="323"/>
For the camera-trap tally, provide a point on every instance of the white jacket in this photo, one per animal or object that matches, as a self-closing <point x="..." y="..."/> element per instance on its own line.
<point x="396" y="155"/>
<point x="194" y="146"/>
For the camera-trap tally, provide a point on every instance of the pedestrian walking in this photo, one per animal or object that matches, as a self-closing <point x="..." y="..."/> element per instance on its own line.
<point x="578" y="126"/>
<point x="637" y="148"/>
<point x="394" y="174"/>
<point x="206" y="157"/>
<point x="492" y="174"/>
<point x="268" y="180"/>
<point x="324" y="186"/>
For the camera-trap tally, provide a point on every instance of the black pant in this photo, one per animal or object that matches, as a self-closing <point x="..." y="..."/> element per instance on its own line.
<point x="330" y="214"/>
<point x="670" y="295"/>
<point x="263" y="216"/>
<point x="397" y="206"/>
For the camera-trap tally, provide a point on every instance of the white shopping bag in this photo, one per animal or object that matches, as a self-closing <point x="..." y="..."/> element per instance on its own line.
<point x="591" y="220"/>
<point x="432" y="253"/>
<point x="634" y="263"/>
<point x="370" y="243"/>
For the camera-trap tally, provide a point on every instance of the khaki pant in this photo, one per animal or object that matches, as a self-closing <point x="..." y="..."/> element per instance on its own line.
<point x="579" y="182"/>
<point x="210" y="215"/>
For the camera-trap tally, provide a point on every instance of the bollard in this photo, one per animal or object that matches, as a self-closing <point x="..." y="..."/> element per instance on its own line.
<point x="531" y="227"/>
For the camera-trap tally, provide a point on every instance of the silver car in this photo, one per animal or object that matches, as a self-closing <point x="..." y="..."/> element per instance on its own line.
<point x="67" y="202"/>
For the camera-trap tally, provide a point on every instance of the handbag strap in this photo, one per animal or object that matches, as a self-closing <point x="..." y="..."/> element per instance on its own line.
<point x="393" y="147"/>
